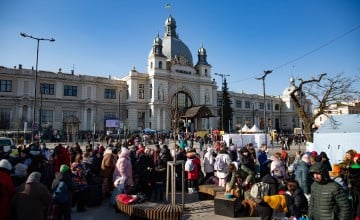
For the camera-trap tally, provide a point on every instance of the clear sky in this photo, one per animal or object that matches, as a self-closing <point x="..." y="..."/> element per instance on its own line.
<point x="242" y="37"/>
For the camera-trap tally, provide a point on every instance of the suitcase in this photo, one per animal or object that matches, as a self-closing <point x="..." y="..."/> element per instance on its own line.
<point x="94" y="195"/>
<point x="226" y="207"/>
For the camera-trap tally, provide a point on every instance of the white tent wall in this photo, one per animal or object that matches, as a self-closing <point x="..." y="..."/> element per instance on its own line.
<point x="335" y="145"/>
<point x="240" y="140"/>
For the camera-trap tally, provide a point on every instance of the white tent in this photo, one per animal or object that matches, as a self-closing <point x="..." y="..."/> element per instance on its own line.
<point x="245" y="129"/>
<point x="337" y="137"/>
<point x="255" y="129"/>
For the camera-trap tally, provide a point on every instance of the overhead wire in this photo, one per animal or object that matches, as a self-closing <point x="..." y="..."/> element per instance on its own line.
<point x="306" y="54"/>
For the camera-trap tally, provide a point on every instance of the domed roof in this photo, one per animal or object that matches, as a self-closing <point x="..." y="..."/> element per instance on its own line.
<point x="172" y="46"/>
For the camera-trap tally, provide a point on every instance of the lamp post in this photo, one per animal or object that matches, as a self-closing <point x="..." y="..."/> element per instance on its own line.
<point x="266" y="72"/>
<point x="222" y="101"/>
<point x="36" y="69"/>
<point x="42" y="91"/>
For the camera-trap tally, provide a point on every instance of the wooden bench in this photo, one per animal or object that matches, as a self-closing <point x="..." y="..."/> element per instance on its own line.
<point x="209" y="191"/>
<point x="151" y="211"/>
<point x="226" y="206"/>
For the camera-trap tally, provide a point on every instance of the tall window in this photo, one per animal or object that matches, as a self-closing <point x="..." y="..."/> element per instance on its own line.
<point x="261" y="105"/>
<point x="150" y="91"/>
<point x="5" y="85"/>
<point x="68" y="113"/>
<point x="70" y="90"/>
<point x="160" y="65"/>
<point x="150" y="113"/>
<point x="238" y="104"/>
<point x="110" y="94"/>
<point x="5" y="118"/>
<point x="247" y="104"/>
<point x="141" y="119"/>
<point x="47" y="89"/>
<point x="268" y="106"/>
<point x="277" y="107"/>
<point x="47" y="116"/>
<point x="141" y="91"/>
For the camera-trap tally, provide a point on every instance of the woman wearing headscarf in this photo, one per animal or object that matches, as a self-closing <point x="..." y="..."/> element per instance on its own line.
<point x="209" y="161"/>
<point x="32" y="199"/>
<point x="123" y="168"/>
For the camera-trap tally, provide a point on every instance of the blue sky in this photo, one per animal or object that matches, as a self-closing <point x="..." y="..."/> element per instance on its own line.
<point x="242" y="37"/>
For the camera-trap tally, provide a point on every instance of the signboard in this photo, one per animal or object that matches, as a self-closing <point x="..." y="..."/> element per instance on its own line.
<point x="112" y="123"/>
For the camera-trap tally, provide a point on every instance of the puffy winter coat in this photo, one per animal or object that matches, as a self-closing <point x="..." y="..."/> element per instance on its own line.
<point x="328" y="199"/>
<point x="302" y="176"/>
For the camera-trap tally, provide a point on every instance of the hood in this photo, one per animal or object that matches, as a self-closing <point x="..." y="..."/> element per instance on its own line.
<point x="319" y="167"/>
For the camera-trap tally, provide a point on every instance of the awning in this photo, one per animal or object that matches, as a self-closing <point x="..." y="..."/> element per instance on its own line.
<point x="198" y="112"/>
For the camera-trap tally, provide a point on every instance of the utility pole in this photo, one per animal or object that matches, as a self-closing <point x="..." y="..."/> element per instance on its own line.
<point x="266" y="72"/>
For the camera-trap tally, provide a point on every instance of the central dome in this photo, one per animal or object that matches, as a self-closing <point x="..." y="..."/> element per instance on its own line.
<point x="172" y="46"/>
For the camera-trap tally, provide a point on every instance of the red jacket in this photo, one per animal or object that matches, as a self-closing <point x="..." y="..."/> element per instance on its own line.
<point x="7" y="192"/>
<point x="194" y="174"/>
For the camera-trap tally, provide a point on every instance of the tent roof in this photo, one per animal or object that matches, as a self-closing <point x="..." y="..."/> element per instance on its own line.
<point x="198" y="112"/>
<point x="255" y="129"/>
<point x="341" y="124"/>
<point x="245" y="128"/>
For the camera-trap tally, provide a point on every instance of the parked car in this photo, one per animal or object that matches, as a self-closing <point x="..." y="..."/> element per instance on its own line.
<point x="7" y="143"/>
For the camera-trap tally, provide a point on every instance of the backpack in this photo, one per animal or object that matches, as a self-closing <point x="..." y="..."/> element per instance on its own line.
<point x="259" y="190"/>
<point x="189" y="166"/>
<point x="61" y="193"/>
<point x="220" y="164"/>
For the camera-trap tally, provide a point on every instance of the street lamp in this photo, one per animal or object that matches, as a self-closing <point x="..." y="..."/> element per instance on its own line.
<point x="36" y="69"/>
<point x="266" y="72"/>
<point x="222" y="101"/>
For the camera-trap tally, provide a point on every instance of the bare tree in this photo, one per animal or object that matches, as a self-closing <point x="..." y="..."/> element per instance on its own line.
<point x="323" y="91"/>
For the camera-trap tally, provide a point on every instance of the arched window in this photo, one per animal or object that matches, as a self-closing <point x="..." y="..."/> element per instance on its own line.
<point x="151" y="65"/>
<point x="181" y="100"/>
<point x="160" y="65"/>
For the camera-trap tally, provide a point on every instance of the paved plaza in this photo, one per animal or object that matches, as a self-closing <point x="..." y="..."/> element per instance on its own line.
<point x="194" y="209"/>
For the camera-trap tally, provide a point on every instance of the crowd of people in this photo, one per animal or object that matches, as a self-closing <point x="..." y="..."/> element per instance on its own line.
<point x="36" y="181"/>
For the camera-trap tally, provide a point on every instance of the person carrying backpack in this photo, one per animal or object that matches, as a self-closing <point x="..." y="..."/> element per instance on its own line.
<point x="222" y="162"/>
<point x="192" y="166"/>
<point x="263" y="208"/>
<point x="62" y="192"/>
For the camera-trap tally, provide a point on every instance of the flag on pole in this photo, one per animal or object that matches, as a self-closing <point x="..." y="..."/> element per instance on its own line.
<point x="168" y="6"/>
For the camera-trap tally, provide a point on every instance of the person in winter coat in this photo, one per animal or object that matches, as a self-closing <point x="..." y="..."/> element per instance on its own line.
<point x="209" y="161"/>
<point x="263" y="208"/>
<point x="107" y="170"/>
<point x="299" y="205"/>
<point x="80" y="183"/>
<point x="7" y="189"/>
<point x="63" y="177"/>
<point x="247" y="164"/>
<point x="192" y="166"/>
<point x="262" y="159"/>
<point x="302" y="175"/>
<point x="221" y="172"/>
<point x="124" y="168"/>
<point x="354" y="185"/>
<point x="143" y="172"/>
<point x="32" y="198"/>
<point x="328" y="199"/>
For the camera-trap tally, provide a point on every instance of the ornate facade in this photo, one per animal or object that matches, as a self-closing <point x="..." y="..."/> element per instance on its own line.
<point x="155" y="99"/>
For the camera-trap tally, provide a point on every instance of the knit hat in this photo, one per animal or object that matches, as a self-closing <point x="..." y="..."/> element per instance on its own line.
<point x="313" y="153"/>
<point x="5" y="164"/>
<point x="277" y="202"/>
<point x="34" y="177"/>
<point x="64" y="168"/>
